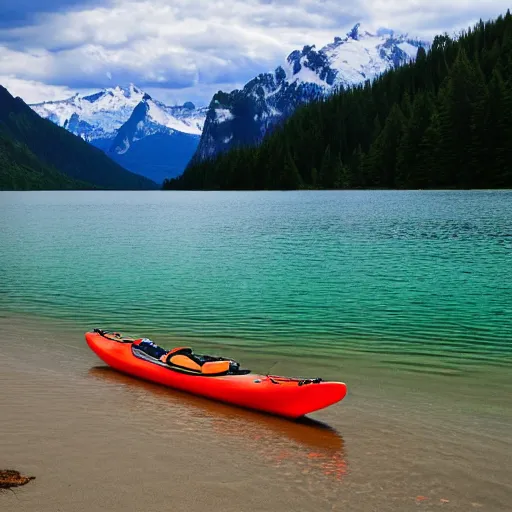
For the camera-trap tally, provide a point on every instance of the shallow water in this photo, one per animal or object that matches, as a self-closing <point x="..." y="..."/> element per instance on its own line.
<point x="405" y="296"/>
<point x="98" y="440"/>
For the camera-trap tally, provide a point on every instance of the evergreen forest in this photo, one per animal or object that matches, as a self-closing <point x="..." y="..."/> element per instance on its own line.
<point x="442" y="121"/>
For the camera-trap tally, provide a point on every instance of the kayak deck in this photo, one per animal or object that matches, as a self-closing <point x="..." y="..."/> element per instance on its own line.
<point x="283" y="396"/>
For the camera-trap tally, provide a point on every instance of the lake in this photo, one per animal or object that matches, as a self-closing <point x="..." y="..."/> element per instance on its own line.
<point x="404" y="295"/>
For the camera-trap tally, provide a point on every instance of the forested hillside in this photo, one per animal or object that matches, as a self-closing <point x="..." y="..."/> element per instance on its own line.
<point x="444" y="121"/>
<point x="21" y="170"/>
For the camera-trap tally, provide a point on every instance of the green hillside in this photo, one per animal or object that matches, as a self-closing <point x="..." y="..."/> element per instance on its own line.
<point x="21" y="170"/>
<point x="444" y="121"/>
<point x="36" y="152"/>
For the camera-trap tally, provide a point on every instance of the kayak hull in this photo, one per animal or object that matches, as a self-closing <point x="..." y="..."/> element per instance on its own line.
<point x="259" y="392"/>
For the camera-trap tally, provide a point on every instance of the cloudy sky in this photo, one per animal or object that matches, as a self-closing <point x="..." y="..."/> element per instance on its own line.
<point x="182" y="50"/>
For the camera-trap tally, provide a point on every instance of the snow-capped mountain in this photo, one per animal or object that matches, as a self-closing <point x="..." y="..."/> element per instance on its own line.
<point x="126" y="122"/>
<point x="97" y="116"/>
<point x="244" y="116"/>
<point x="157" y="139"/>
<point x="150" y="117"/>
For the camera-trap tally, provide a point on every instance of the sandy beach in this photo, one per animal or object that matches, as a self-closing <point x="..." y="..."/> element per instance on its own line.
<point x="98" y="440"/>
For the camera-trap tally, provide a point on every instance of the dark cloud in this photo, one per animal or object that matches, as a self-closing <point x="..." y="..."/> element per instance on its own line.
<point x="15" y="13"/>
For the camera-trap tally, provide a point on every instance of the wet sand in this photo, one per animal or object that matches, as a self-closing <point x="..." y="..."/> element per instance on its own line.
<point x="99" y="440"/>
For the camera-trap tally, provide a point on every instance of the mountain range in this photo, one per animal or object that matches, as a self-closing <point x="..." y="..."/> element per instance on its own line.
<point x="158" y="141"/>
<point x="140" y="133"/>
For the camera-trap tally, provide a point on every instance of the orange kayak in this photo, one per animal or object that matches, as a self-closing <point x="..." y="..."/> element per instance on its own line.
<point x="214" y="377"/>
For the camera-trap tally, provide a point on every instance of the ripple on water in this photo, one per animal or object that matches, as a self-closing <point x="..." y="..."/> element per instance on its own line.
<point x="422" y="274"/>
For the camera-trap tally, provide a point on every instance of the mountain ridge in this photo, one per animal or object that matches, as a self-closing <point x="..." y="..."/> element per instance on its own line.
<point x="243" y="116"/>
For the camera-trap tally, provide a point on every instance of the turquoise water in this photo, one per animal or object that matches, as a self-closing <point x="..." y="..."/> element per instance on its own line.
<point x="422" y="273"/>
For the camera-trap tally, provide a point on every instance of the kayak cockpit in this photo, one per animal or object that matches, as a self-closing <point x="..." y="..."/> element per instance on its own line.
<point x="181" y="359"/>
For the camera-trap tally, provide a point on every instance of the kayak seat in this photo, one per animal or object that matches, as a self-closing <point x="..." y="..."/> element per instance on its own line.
<point x="184" y="359"/>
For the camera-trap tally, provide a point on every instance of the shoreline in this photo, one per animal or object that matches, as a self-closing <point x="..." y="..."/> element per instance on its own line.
<point x="383" y="446"/>
<point x="447" y="380"/>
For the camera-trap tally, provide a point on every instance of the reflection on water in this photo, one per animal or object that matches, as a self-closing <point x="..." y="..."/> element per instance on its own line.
<point x="311" y="446"/>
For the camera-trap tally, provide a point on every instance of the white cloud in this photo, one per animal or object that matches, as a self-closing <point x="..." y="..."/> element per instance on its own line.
<point x="426" y="19"/>
<point x="34" y="92"/>
<point x="198" y="47"/>
<point x="159" y="43"/>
